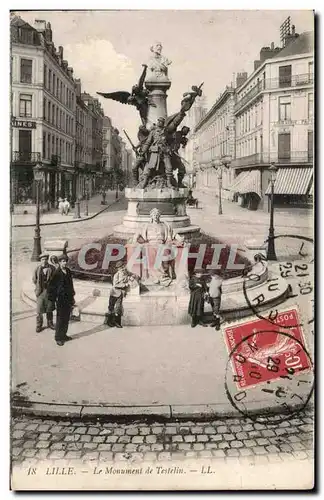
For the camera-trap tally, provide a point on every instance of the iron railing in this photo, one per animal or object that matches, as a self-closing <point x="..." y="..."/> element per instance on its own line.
<point x="275" y="83"/>
<point x="25" y="157"/>
<point x="293" y="157"/>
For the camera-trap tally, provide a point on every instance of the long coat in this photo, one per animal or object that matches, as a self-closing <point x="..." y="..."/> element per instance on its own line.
<point x="41" y="282"/>
<point x="196" y="303"/>
<point x="61" y="288"/>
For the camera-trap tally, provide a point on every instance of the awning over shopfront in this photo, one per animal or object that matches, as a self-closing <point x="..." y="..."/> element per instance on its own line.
<point x="247" y="182"/>
<point x="311" y="191"/>
<point x="292" y="181"/>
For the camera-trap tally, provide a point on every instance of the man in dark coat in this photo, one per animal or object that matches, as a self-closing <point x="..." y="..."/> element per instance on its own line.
<point x="196" y="303"/>
<point x="61" y="292"/>
<point x="41" y="278"/>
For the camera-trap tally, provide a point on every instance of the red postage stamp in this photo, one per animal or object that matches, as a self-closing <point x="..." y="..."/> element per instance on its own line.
<point x="262" y="352"/>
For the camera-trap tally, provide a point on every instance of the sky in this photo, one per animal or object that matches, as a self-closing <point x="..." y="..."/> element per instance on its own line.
<point x="107" y="48"/>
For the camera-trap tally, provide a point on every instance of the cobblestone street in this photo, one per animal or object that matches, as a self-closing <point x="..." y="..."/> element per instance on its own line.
<point x="61" y="442"/>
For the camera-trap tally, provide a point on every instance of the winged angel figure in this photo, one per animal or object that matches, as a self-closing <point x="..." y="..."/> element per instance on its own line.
<point x="138" y="97"/>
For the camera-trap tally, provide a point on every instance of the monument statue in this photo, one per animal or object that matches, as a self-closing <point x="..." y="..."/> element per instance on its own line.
<point x="139" y="97"/>
<point x="158" y="64"/>
<point x="152" y="236"/>
<point x="162" y="145"/>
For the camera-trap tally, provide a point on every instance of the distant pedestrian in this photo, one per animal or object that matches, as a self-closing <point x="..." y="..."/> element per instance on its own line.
<point x="61" y="292"/>
<point x="121" y="283"/>
<point x="67" y="206"/>
<point x="61" y="206"/>
<point x="41" y="279"/>
<point x="215" y="297"/>
<point x="198" y="290"/>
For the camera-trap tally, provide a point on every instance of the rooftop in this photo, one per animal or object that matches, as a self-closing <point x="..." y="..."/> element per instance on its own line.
<point x="301" y="45"/>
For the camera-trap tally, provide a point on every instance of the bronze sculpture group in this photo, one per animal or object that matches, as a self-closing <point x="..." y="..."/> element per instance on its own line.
<point x="157" y="152"/>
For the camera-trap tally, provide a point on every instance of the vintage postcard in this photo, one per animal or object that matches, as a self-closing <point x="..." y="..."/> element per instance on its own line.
<point x="162" y="250"/>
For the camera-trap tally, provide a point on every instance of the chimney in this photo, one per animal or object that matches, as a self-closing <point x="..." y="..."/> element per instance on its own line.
<point x="70" y="71"/>
<point x="60" y="52"/>
<point x="268" y="52"/>
<point x="48" y="32"/>
<point x="291" y="36"/>
<point x="241" y="78"/>
<point x="40" y="25"/>
<point x="77" y="82"/>
<point x="257" y="64"/>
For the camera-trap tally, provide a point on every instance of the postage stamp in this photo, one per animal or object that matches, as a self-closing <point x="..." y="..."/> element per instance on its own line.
<point x="263" y="353"/>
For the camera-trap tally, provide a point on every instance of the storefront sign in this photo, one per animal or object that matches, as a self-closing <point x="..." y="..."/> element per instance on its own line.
<point x="23" y="124"/>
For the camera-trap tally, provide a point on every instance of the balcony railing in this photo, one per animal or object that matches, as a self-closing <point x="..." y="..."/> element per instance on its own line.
<point x="294" y="157"/>
<point x="274" y="83"/>
<point x="23" y="157"/>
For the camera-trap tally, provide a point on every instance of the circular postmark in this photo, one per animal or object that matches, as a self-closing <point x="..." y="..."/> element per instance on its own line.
<point x="268" y="371"/>
<point x="298" y="273"/>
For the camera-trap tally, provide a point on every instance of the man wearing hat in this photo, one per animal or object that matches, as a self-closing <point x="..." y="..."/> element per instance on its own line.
<point x="61" y="292"/>
<point x="121" y="281"/>
<point x="41" y="279"/>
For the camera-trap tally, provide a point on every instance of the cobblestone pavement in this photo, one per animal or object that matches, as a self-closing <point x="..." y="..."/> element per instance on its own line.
<point x="63" y="442"/>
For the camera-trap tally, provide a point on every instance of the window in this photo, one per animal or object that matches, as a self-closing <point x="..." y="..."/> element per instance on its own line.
<point x="44" y="108"/>
<point x="285" y="76"/>
<point x="26" y="70"/>
<point x="26" y="36"/>
<point x="311" y="70"/>
<point x="57" y="118"/>
<point x="25" y="105"/>
<point x="284" y="146"/>
<point x="53" y="145"/>
<point x="310" y="145"/>
<point x="48" y="145"/>
<point x="310" y="106"/>
<point x="54" y="87"/>
<point x="53" y="114"/>
<point x="49" y="112"/>
<point x="49" y="80"/>
<point x="284" y="108"/>
<point x="44" y="146"/>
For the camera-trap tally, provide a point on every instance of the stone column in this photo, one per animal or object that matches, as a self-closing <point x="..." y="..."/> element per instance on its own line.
<point x="157" y="100"/>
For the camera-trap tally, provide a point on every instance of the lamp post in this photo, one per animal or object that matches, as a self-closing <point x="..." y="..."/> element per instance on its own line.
<point x="86" y="208"/>
<point x="38" y="177"/>
<point x="271" y="253"/>
<point x="220" y="182"/>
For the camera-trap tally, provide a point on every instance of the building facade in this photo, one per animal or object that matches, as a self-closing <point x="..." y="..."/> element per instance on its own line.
<point x="42" y="114"/>
<point x="53" y="123"/>
<point x="274" y="122"/>
<point x="214" y="139"/>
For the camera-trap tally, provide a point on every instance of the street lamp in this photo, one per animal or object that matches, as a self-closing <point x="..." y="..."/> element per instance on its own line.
<point x="38" y="177"/>
<point x="77" y="214"/>
<point x="271" y="253"/>
<point x="220" y="182"/>
<point x="86" y="209"/>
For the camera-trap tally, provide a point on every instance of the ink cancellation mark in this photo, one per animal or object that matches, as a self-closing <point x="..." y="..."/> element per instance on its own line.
<point x="269" y="366"/>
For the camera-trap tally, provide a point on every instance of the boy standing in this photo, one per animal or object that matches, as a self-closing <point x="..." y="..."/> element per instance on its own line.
<point x="215" y="296"/>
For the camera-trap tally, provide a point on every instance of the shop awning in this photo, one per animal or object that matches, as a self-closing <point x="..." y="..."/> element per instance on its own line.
<point x="237" y="181"/>
<point x="247" y="182"/>
<point x="292" y="181"/>
<point x="311" y="191"/>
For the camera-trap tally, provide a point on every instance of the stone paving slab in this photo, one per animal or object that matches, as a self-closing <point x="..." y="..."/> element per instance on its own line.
<point x="231" y="446"/>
